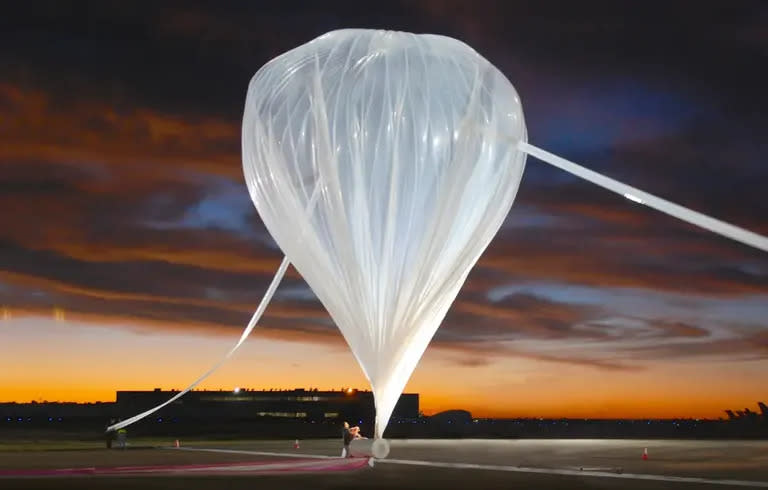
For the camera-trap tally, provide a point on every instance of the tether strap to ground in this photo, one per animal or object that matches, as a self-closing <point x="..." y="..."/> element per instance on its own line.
<point x="248" y="329"/>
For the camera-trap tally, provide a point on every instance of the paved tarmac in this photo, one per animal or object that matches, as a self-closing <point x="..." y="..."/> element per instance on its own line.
<point x="426" y="464"/>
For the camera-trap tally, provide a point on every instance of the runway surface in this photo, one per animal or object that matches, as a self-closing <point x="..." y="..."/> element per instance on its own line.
<point x="421" y="464"/>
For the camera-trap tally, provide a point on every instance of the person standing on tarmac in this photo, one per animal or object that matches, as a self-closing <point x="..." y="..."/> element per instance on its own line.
<point x="347" y="436"/>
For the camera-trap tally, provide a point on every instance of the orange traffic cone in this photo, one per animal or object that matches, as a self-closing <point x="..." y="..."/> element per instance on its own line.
<point x="296" y="444"/>
<point x="177" y="443"/>
<point x="645" y="454"/>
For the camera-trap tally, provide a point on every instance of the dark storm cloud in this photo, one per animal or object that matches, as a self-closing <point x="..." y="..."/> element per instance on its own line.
<point x="123" y="199"/>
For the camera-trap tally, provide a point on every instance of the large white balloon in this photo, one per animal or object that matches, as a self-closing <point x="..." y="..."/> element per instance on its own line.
<point x="412" y="142"/>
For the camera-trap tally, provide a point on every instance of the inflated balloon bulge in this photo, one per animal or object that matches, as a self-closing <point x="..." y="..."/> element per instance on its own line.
<point x="403" y="135"/>
<point x="383" y="164"/>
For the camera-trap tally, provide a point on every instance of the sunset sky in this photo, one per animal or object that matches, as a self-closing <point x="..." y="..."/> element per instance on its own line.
<point x="131" y="256"/>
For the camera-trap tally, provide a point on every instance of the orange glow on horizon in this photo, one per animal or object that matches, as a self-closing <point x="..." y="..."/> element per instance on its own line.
<point x="50" y="360"/>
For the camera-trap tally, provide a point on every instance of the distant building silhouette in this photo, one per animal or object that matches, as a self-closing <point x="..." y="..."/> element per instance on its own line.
<point x="243" y="403"/>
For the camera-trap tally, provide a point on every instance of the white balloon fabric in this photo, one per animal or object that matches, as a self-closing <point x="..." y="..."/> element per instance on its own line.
<point x="412" y="140"/>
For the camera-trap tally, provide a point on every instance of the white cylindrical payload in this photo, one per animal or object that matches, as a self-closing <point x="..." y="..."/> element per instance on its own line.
<point x="367" y="448"/>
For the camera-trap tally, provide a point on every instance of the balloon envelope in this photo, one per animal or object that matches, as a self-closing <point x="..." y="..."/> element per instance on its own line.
<point x="409" y="145"/>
